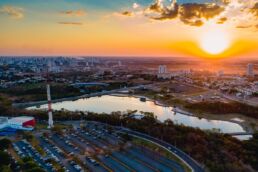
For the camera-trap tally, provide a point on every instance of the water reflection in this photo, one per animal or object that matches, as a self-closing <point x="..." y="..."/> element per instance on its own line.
<point x="110" y="104"/>
<point x="244" y="137"/>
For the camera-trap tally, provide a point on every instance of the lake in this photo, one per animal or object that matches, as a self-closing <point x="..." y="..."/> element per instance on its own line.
<point x="110" y="103"/>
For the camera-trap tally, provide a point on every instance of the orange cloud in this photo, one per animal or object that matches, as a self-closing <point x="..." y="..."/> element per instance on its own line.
<point x="13" y="12"/>
<point x="74" y="13"/>
<point x="71" y="23"/>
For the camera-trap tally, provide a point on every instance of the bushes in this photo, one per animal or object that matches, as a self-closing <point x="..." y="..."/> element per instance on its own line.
<point x="224" y="108"/>
<point x="29" y="165"/>
<point x="37" y="92"/>
<point x="5" y="159"/>
<point x="4" y="144"/>
<point x="218" y="152"/>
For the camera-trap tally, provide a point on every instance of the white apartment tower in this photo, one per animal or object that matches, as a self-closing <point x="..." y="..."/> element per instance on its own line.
<point x="250" y="70"/>
<point x="162" y="69"/>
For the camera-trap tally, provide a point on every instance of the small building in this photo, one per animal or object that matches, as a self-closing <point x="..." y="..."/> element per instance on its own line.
<point x="22" y="123"/>
<point x="11" y="125"/>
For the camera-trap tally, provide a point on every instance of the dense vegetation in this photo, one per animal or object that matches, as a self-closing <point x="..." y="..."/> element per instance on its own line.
<point x="27" y="164"/>
<point x="37" y="92"/>
<point x="217" y="152"/>
<point x="224" y="108"/>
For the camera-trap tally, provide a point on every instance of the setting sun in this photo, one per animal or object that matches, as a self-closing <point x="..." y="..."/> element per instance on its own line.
<point x="214" y="41"/>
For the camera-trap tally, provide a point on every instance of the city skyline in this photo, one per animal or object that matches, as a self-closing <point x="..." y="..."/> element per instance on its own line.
<point x="201" y="28"/>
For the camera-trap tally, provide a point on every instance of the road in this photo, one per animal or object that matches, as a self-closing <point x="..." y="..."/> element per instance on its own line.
<point x="196" y="167"/>
<point x="233" y="98"/>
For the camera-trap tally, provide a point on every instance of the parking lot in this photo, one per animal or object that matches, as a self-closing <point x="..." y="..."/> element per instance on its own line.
<point x="96" y="148"/>
<point x="24" y="149"/>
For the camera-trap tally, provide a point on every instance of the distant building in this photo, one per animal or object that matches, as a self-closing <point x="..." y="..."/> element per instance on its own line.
<point x="163" y="73"/>
<point x="52" y="67"/>
<point x="162" y="69"/>
<point x="250" y="70"/>
<point x="220" y="73"/>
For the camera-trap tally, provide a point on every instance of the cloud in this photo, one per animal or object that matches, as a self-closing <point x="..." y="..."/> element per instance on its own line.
<point x="193" y="14"/>
<point x="13" y="12"/>
<point x="234" y="12"/>
<point x="244" y="26"/>
<point x="157" y="6"/>
<point x="167" y="13"/>
<point x="240" y="14"/>
<point x="74" y="13"/>
<point x="225" y="1"/>
<point x="127" y="13"/>
<point x="254" y="9"/>
<point x="71" y="23"/>
<point x="222" y="20"/>
<point x="135" y="5"/>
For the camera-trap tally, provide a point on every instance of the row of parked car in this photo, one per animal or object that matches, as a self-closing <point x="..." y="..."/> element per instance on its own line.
<point x="75" y="166"/>
<point x="25" y="149"/>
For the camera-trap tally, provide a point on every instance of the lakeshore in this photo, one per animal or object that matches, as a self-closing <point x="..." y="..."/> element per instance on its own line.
<point x="247" y="123"/>
<point x="132" y="102"/>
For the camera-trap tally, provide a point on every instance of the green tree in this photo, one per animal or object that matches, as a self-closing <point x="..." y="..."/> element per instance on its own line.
<point x="4" y="144"/>
<point x="29" y="165"/>
<point x="5" y="168"/>
<point x="5" y="159"/>
<point x="36" y="169"/>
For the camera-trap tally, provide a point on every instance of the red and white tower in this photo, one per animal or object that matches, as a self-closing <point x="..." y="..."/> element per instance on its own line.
<point x="50" y="114"/>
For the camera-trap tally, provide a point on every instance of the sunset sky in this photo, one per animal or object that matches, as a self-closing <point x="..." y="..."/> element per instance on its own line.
<point x="190" y="28"/>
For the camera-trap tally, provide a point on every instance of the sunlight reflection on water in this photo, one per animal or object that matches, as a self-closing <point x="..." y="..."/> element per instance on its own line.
<point x="110" y="104"/>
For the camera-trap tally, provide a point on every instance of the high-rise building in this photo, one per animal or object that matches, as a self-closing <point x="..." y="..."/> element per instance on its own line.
<point x="220" y="73"/>
<point x="163" y="73"/>
<point x="162" y="69"/>
<point x="250" y="70"/>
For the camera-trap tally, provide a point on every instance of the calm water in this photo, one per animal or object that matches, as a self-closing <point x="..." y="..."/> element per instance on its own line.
<point x="110" y="104"/>
<point x="245" y="137"/>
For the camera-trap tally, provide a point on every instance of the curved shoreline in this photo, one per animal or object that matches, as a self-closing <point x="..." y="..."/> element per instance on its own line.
<point x="244" y="125"/>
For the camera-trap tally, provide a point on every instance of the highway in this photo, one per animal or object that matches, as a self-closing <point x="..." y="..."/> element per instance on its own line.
<point x="195" y="166"/>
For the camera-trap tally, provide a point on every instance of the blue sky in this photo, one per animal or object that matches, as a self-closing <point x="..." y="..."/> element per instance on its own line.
<point x="89" y="4"/>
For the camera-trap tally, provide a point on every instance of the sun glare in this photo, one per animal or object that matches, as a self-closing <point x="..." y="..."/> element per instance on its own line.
<point x="215" y="41"/>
